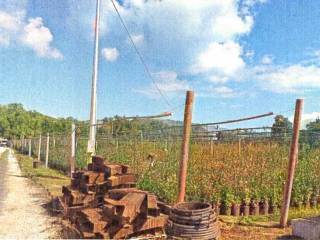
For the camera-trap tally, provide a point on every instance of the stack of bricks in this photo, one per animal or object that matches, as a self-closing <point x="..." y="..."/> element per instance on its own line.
<point x="103" y="202"/>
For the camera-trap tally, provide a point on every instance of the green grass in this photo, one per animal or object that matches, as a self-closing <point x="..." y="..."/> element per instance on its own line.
<point x="4" y="155"/>
<point x="50" y="179"/>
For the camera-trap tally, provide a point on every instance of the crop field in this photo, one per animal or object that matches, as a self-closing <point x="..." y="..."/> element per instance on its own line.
<point x="231" y="172"/>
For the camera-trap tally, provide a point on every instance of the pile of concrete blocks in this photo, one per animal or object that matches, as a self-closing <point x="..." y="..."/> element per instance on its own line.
<point x="103" y="202"/>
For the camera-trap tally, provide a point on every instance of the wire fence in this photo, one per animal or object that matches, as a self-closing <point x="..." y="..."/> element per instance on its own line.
<point x="225" y="165"/>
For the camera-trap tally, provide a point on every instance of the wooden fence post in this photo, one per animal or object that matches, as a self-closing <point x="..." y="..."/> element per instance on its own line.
<point x="141" y="141"/>
<point x="54" y="141"/>
<point x="239" y="147"/>
<point x="293" y="157"/>
<point x="22" y="145"/>
<point x="29" y="152"/>
<point x="25" y="145"/>
<point x="185" y="146"/>
<point x="39" y="148"/>
<point x="73" y="148"/>
<point x="47" y="150"/>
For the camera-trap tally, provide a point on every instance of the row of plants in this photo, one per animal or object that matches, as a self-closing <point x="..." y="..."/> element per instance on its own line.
<point x="220" y="172"/>
<point x="260" y="207"/>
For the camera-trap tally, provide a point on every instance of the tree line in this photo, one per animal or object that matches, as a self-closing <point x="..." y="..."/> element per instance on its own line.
<point x="310" y="135"/>
<point x="17" y="122"/>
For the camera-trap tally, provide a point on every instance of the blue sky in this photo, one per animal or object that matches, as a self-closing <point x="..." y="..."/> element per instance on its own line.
<point x="240" y="57"/>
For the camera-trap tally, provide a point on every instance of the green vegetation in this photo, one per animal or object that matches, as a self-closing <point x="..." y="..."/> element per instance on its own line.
<point x="16" y="122"/>
<point x="226" y="170"/>
<point x="281" y="126"/>
<point x="229" y="173"/>
<point x="50" y="179"/>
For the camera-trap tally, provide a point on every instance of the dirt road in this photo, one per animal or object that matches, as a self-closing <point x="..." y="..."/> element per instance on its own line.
<point x="22" y="212"/>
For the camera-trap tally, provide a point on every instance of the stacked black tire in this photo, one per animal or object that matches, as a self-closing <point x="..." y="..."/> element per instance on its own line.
<point x="193" y="220"/>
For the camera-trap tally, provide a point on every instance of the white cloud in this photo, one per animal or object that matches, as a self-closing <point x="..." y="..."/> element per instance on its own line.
<point x="9" y="22"/>
<point x="9" y="26"/>
<point x="218" y="79"/>
<point x="199" y="35"/>
<point x="285" y="79"/>
<point x="168" y="82"/>
<point x="229" y="25"/>
<point x="110" y="54"/>
<point x="137" y="3"/>
<point x="247" y="5"/>
<point x="39" y="38"/>
<point x="138" y="38"/>
<point x="223" y="91"/>
<point x="307" y="118"/>
<point x="32" y="33"/>
<point x="316" y="53"/>
<point x="221" y="59"/>
<point x="249" y="53"/>
<point x="267" y="59"/>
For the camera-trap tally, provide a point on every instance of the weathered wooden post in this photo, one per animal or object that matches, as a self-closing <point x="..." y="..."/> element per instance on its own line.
<point x="29" y="152"/>
<point x="35" y="163"/>
<point x="141" y="141"/>
<point x="54" y="141"/>
<point x="239" y="147"/>
<point x="293" y="157"/>
<point x="47" y="150"/>
<point x="21" y="145"/>
<point x="117" y="144"/>
<point x="25" y="146"/>
<point x="185" y="146"/>
<point x="39" y="148"/>
<point x="73" y="149"/>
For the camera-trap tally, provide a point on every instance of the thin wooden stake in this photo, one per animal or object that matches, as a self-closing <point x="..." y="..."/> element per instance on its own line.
<point x="185" y="146"/>
<point x="29" y="153"/>
<point x="293" y="158"/>
<point x="73" y="149"/>
<point x="47" y="150"/>
<point x="39" y="149"/>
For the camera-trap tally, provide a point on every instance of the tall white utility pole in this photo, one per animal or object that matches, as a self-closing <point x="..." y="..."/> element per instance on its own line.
<point x="93" y="109"/>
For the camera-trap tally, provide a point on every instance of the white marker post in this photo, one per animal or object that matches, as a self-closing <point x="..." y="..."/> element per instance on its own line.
<point x="93" y="110"/>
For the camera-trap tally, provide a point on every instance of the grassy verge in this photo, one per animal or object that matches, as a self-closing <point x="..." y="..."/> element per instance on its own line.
<point x="50" y="179"/>
<point x="4" y="155"/>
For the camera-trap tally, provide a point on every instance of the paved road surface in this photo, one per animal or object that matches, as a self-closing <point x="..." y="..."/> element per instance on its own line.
<point x="22" y="215"/>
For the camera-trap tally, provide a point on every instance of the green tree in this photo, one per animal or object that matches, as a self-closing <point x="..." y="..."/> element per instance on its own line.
<point x="311" y="134"/>
<point x="281" y="126"/>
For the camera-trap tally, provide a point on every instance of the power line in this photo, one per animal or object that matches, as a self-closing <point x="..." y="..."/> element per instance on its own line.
<point x="140" y="55"/>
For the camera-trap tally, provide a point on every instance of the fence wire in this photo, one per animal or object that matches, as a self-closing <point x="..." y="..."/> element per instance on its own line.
<point x="229" y="165"/>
